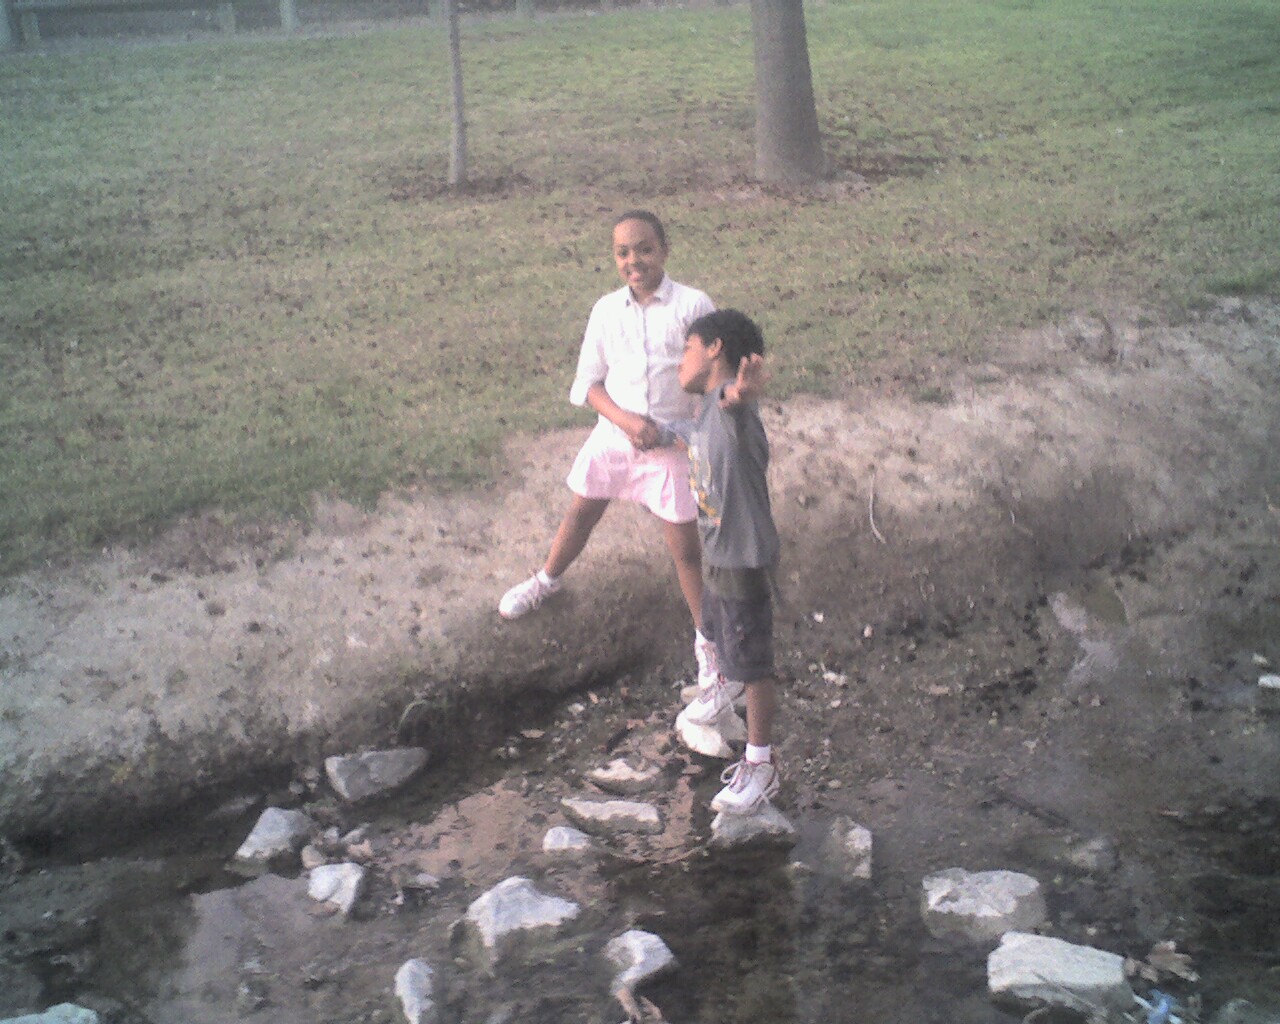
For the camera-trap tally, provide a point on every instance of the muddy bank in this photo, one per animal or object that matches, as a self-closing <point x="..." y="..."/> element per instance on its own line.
<point x="148" y="676"/>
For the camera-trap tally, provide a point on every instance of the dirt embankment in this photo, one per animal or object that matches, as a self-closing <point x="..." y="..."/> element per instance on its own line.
<point x="147" y="675"/>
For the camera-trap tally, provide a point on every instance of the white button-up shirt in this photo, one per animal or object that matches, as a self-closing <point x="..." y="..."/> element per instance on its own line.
<point x="635" y="351"/>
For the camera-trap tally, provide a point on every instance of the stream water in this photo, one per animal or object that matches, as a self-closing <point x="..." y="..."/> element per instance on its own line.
<point x="150" y="927"/>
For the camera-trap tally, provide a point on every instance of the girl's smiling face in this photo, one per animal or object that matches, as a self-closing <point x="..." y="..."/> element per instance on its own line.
<point x="640" y="257"/>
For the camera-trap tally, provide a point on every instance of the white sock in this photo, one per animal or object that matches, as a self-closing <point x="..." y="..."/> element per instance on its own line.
<point x="759" y="755"/>
<point x="698" y="638"/>
<point x="547" y="581"/>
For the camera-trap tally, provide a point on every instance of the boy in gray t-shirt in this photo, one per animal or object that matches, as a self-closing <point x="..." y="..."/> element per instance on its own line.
<point x="728" y="458"/>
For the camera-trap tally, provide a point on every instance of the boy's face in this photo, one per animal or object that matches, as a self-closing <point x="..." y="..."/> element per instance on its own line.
<point x="639" y="256"/>
<point x="698" y="364"/>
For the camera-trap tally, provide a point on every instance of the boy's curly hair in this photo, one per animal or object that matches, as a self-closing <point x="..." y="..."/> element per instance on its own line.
<point x="735" y="330"/>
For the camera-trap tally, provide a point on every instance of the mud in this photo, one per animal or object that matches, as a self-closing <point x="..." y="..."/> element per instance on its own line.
<point x="1027" y="612"/>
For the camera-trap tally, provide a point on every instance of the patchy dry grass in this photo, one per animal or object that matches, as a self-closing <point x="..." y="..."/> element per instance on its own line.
<point x="232" y="276"/>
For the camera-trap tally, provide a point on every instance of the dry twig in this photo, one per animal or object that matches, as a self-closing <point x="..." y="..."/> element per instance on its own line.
<point x="871" y="510"/>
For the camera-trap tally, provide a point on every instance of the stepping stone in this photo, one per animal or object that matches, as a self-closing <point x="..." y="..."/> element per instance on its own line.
<point x="768" y="826"/>
<point x="513" y="915"/>
<point x="339" y="884"/>
<point x="981" y="905"/>
<point x="641" y="955"/>
<point x="846" y="850"/>
<point x="619" y="777"/>
<point x="1030" y="971"/>
<point x="277" y="836"/>
<point x="568" y="842"/>
<point x="415" y="988"/>
<point x="63" y="1013"/>
<point x="610" y="816"/>
<point x="356" y="777"/>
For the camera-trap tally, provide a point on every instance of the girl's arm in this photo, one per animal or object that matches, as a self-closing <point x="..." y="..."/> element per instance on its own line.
<point x="642" y="431"/>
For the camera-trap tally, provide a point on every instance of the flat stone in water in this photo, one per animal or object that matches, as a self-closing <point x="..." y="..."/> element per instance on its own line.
<point x="356" y="777"/>
<point x="1241" y="1011"/>
<point x="566" y="841"/>
<point x="619" y="777"/>
<point x="1036" y="970"/>
<point x="612" y="815"/>
<point x="980" y="905"/>
<point x="766" y="826"/>
<point x="1095" y="855"/>
<point x="641" y="955"/>
<point x="514" y="913"/>
<point x="339" y="884"/>
<point x="278" y="835"/>
<point x="63" y="1013"/>
<point x="415" y="988"/>
<point x="846" y="851"/>
<point x="1269" y="692"/>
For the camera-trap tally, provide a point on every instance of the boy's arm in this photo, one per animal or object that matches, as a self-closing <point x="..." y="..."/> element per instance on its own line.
<point x="749" y="385"/>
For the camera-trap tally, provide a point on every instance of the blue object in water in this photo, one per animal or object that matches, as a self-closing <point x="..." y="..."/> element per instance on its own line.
<point x="1161" y="1007"/>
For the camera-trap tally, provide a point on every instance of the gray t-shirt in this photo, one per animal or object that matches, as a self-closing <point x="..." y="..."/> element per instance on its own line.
<point x="728" y="464"/>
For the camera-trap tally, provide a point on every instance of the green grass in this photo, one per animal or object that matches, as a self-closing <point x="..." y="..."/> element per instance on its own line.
<point x="231" y="276"/>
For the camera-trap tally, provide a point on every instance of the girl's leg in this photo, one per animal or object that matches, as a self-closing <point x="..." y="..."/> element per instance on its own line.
<point x="762" y="705"/>
<point x="686" y="551"/>
<point x="575" y="529"/>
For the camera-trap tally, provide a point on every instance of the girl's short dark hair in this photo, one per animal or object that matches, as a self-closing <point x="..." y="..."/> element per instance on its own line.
<point x="735" y="330"/>
<point x="649" y="218"/>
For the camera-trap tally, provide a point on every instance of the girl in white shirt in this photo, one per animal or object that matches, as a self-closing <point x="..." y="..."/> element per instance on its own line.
<point x="627" y="373"/>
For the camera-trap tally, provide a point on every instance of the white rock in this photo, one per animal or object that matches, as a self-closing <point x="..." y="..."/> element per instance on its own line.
<point x="339" y="884"/>
<point x="415" y="988"/>
<point x="641" y="955"/>
<point x="612" y="815"/>
<point x="619" y="777"/>
<point x="981" y="905"/>
<point x="360" y="776"/>
<point x="566" y="841"/>
<point x="1035" y="970"/>
<point x="1269" y="692"/>
<point x="1095" y="856"/>
<point x="63" y="1013"/>
<point x="514" y="913"/>
<point x="847" y="849"/>
<point x="312" y="857"/>
<point x="1241" y="1011"/>
<point x="277" y="835"/>
<point x="712" y="740"/>
<point x="768" y="825"/>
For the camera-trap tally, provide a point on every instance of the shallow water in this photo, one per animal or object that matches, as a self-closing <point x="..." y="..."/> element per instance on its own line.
<point x="160" y="933"/>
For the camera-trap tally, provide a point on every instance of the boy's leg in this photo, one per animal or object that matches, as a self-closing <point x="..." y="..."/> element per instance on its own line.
<point x="750" y="783"/>
<point x="575" y="528"/>
<point x="762" y="705"/>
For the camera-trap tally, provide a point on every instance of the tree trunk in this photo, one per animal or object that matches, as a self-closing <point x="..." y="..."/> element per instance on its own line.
<point x="7" y="35"/>
<point x="788" y="143"/>
<point x="458" y="147"/>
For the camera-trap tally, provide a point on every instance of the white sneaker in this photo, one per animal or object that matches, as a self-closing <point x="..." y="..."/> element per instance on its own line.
<point x="708" y="662"/>
<point x="713" y="701"/>
<point x="748" y="784"/>
<point x="525" y="597"/>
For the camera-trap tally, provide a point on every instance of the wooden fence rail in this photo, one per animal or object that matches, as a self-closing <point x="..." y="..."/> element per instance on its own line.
<point x="20" y="19"/>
